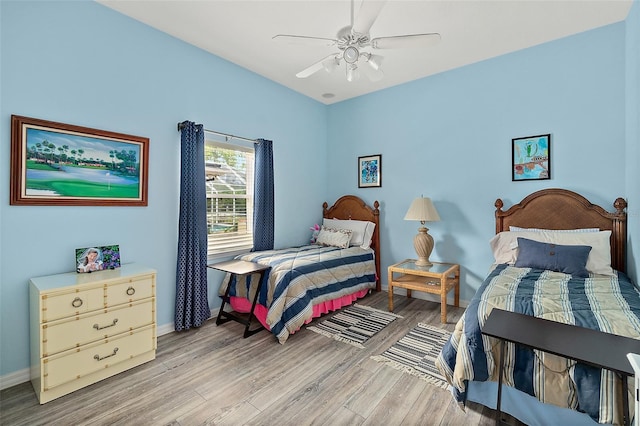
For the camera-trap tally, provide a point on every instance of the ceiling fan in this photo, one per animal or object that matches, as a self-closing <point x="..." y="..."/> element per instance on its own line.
<point x="352" y="41"/>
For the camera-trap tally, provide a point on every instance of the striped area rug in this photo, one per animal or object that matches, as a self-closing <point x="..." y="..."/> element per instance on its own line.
<point x="416" y="353"/>
<point x="355" y="324"/>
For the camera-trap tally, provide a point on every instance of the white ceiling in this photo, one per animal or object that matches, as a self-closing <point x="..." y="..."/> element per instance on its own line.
<point x="241" y="32"/>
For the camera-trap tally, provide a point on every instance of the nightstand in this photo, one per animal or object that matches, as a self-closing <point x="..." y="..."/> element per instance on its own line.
<point x="438" y="278"/>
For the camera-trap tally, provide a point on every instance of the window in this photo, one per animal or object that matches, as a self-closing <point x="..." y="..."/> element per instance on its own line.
<point x="229" y="180"/>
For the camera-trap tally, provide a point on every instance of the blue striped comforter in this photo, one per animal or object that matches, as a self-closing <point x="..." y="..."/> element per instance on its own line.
<point x="301" y="277"/>
<point x="609" y="304"/>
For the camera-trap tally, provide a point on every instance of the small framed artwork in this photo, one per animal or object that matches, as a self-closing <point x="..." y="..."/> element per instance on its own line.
<point x="370" y="171"/>
<point x="62" y="164"/>
<point x="531" y="158"/>
<point x="98" y="258"/>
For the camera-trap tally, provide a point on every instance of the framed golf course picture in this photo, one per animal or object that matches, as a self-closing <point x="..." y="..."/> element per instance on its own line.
<point x="62" y="164"/>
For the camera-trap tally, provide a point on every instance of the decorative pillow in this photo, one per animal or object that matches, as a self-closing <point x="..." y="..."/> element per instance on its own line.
<point x="553" y="257"/>
<point x="516" y="228"/>
<point x="505" y="246"/>
<point x="334" y="237"/>
<point x="362" y="230"/>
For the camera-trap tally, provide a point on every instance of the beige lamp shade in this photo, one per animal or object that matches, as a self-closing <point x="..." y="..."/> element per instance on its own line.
<point x="423" y="210"/>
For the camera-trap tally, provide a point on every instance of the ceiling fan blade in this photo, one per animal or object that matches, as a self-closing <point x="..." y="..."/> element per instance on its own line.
<point x="305" y="40"/>
<point x="406" y="41"/>
<point x="315" y="67"/>
<point x="367" y="15"/>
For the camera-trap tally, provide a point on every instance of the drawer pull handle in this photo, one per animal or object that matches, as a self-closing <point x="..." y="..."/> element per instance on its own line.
<point x="131" y="291"/>
<point x="97" y="327"/>
<point x="99" y="358"/>
<point x="77" y="302"/>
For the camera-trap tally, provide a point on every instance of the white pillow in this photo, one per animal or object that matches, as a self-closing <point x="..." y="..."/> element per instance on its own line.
<point x="362" y="230"/>
<point x="516" y="228"/>
<point x="334" y="237"/>
<point x="505" y="244"/>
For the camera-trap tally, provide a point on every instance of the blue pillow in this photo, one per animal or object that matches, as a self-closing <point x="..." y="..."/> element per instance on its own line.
<point x="567" y="259"/>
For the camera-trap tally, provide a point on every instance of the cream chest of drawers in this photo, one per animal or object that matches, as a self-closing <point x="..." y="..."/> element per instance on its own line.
<point x="87" y="327"/>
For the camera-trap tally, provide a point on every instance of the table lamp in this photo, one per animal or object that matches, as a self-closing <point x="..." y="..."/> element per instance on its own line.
<point x="422" y="210"/>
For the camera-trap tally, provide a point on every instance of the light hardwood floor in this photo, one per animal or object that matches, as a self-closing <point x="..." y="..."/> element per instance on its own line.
<point x="212" y="376"/>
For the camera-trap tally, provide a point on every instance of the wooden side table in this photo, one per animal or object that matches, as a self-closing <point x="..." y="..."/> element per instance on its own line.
<point x="240" y="267"/>
<point x="438" y="278"/>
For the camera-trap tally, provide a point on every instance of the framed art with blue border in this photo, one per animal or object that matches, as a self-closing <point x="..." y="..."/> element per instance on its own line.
<point x="370" y="171"/>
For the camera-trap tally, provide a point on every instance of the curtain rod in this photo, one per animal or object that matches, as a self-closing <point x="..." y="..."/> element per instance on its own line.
<point x="227" y="136"/>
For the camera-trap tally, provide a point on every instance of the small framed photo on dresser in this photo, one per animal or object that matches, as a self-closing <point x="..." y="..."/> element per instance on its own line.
<point x="97" y="258"/>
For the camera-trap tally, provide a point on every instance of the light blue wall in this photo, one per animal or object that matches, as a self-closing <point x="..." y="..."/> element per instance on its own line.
<point x="449" y="137"/>
<point x="633" y="136"/>
<point x="84" y="64"/>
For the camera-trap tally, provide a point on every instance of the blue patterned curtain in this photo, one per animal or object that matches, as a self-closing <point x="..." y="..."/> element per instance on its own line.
<point x="263" y="200"/>
<point x="192" y="303"/>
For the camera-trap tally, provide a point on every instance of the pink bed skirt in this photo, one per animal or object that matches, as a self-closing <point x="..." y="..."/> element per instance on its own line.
<point x="240" y="304"/>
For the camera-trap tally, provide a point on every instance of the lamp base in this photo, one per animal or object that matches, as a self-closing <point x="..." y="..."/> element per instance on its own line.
<point x="423" y="243"/>
<point x="423" y="262"/>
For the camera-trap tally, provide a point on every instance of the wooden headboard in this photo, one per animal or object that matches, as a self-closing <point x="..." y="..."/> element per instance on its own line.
<point x="563" y="209"/>
<point x="352" y="207"/>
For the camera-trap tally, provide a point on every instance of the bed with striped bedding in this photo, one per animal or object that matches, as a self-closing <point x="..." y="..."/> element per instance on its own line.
<point x="607" y="303"/>
<point x="303" y="281"/>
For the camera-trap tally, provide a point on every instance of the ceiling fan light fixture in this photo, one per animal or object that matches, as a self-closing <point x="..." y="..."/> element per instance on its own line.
<point x="352" y="72"/>
<point x="331" y="64"/>
<point x="375" y="75"/>
<point x="351" y="54"/>
<point x="374" y="61"/>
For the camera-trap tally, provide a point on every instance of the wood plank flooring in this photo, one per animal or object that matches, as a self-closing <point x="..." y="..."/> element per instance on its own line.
<point x="212" y="376"/>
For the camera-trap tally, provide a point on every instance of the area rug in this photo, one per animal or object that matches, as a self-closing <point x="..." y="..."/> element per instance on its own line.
<point x="416" y="353"/>
<point x="355" y="324"/>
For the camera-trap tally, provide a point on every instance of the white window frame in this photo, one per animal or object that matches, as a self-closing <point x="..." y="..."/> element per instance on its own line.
<point x="233" y="243"/>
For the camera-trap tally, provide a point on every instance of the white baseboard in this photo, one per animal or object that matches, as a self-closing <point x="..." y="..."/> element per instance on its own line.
<point x="15" y="378"/>
<point x="166" y="329"/>
<point x="21" y="376"/>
